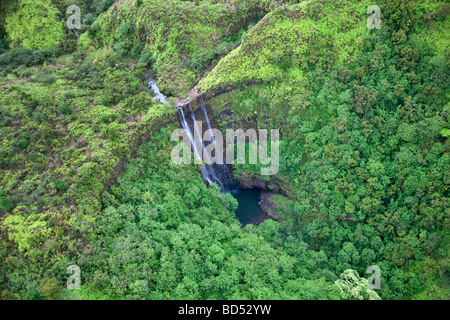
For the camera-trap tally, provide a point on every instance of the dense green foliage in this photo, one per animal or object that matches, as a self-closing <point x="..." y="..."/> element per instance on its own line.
<point x="180" y="38"/>
<point x="365" y="160"/>
<point x="64" y="135"/>
<point x="41" y="24"/>
<point x="166" y="235"/>
<point x="86" y="176"/>
<point x="43" y="30"/>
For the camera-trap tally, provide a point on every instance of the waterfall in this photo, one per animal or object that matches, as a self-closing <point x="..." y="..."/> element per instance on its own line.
<point x="224" y="173"/>
<point x="159" y="95"/>
<point x="211" y="173"/>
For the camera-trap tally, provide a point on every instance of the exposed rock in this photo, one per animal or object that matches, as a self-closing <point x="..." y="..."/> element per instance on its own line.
<point x="267" y="206"/>
<point x="271" y="183"/>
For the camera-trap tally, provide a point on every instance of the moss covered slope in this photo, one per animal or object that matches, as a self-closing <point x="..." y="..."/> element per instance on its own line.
<point x="180" y="36"/>
<point x="286" y="40"/>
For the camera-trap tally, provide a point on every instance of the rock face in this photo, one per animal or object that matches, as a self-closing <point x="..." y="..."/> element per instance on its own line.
<point x="267" y="205"/>
<point x="270" y="192"/>
<point x="271" y="184"/>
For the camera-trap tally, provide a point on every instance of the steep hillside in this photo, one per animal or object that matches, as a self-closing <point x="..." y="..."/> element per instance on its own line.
<point x="364" y="117"/>
<point x="87" y="179"/>
<point x="179" y="38"/>
<point x="317" y="33"/>
<point x="67" y="130"/>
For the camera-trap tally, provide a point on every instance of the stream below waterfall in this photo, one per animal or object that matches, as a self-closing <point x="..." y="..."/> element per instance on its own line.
<point x="154" y="87"/>
<point x="249" y="211"/>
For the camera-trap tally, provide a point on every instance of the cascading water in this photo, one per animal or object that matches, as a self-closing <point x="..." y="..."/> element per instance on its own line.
<point x="248" y="210"/>
<point x="209" y="172"/>
<point x="212" y="173"/>
<point x="224" y="173"/>
<point x="154" y="87"/>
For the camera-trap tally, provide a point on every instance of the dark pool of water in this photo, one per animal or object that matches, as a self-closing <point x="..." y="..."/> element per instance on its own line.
<point x="248" y="210"/>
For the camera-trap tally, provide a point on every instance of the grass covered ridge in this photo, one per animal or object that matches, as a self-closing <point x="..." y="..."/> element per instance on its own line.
<point x="179" y="38"/>
<point x="363" y="117"/>
<point x="316" y="33"/>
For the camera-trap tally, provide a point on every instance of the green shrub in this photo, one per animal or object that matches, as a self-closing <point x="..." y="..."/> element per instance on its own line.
<point x="17" y="57"/>
<point x="5" y="202"/>
<point x="146" y="57"/>
<point x="61" y="185"/>
<point x="201" y="59"/>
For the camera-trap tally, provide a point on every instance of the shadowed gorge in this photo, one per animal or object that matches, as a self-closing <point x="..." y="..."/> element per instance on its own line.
<point x="248" y="210"/>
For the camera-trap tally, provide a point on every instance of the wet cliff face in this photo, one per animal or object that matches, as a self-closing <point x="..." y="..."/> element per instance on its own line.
<point x="269" y="184"/>
<point x="206" y="149"/>
<point x="221" y="115"/>
<point x="253" y="192"/>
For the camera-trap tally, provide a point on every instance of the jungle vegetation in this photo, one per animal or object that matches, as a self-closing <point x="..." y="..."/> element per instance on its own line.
<point x="86" y="177"/>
